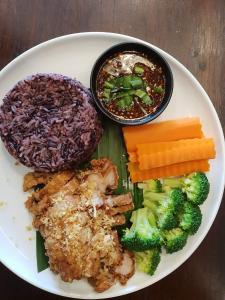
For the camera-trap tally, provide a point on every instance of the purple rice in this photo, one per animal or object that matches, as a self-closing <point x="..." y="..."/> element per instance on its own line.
<point x="48" y="122"/>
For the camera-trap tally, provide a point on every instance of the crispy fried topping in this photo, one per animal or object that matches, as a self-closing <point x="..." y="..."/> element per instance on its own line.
<point x="75" y="213"/>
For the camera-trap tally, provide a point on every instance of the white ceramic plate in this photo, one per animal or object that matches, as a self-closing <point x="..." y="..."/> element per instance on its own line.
<point x="74" y="55"/>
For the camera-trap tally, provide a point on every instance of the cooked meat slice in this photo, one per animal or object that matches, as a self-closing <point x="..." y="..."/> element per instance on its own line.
<point x="120" y="209"/>
<point x="70" y="188"/>
<point x="68" y="270"/>
<point x="114" y="256"/>
<point x="32" y="179"/>
<point x="29" y="203"/>
<point x="57" y="182"/>
<point x="96" y="181"/>
<point x="119" y="200"/>
<point x="103" y="281"/>
<point x="37" y="223"/>
<point x="40" y="201"/>
<point x="119" y="220"/>
<point x="108" y="171"/>
<point x="127" y="267"/>
<point x="67" y="241"/>
<point x="76" y="216"/>
<point x="39" y="207"/>
<point x="92" y="264"/>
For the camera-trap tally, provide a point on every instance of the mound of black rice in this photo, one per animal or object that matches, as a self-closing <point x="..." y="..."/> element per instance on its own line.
<point x="48" y="122"/>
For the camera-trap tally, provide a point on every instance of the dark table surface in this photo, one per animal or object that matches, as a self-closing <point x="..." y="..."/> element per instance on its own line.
<point x="193" y="31"/>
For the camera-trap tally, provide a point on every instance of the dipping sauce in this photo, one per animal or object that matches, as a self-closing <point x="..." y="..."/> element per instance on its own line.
<point x="130" y="85"/>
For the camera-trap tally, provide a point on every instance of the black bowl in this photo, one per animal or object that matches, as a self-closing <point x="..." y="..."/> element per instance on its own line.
<point x="153" y="55"/>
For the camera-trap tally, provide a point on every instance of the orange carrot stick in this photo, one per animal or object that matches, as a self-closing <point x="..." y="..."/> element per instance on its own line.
<point x="138" y="175"/>
<point x="132" y="156"/>
<point x="172" y="130"/>
<point x="154" y="155"/>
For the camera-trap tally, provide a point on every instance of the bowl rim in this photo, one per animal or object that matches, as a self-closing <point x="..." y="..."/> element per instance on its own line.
<point x="149" y="117"/>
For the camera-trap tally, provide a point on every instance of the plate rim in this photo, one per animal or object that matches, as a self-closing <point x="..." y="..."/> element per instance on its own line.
<point x="220" y="136"/>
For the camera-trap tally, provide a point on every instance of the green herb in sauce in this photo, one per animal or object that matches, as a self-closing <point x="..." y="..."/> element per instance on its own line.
<point x="158" y="89"/>
<point x="123" y="89"/>
<point x="138" y="70"/>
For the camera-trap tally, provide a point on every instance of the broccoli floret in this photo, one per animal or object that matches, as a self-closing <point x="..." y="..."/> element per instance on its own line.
<point x="165" y="218"/>
<point x="196" y="186"/>
<point x="165" y="206"/>
<point x="143" y="234"/>
<point x="190" y="218"/>
<point x="151" y="185"/>
<point x="174" y="239"/>
<point x="169" y="183"/>
<point x="148" y="260"/>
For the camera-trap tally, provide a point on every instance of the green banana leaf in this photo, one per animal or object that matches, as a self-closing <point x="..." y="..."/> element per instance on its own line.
<point x="42" y="259"/>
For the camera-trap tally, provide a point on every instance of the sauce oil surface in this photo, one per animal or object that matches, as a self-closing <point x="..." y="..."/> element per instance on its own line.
<point x="130" y="85"/>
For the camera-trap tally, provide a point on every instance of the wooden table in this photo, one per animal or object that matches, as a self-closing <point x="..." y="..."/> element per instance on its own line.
<point x="193" y="31"/>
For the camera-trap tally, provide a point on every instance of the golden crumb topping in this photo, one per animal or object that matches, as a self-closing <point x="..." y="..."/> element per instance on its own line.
<point x="76" y="214"/>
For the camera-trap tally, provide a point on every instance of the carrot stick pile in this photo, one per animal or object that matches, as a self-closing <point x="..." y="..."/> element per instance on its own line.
<point x="169" y="148"/>
<point x="172" y="130"/>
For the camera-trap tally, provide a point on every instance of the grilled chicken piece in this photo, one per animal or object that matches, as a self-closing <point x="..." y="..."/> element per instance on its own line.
<point x="119" y="220"/>
<point x="126" y="268"/>
<point x="125" y="199"/>
<point x="75" y="214"/>
<point x="119" y="210"/>
<point x="58" y="181"/>
<point x="108" y="171"/>
<point x="39" y="201"/>
<point x="103" y="280"/>
<point x="33" y="179"/>
<point x="103" y="174"/>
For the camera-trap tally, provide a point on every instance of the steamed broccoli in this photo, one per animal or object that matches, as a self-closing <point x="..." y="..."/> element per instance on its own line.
<point x="148" y="260"/>
<point x="151" y="185"/>
<point x="165" y="206"/>
<point x="195" y="185"/>
<point x="143" y="234"/>
<point x="174" y="239"/>
<point x="190" y="218"/>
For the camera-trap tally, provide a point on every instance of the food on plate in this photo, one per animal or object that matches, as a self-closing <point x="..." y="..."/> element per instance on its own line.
<point x="190" y="217"/>
<point x="130" y="85"/>
<point x="76" y="214"/>
<point x="179" y="169"/>
<point x="143" y="233"/>
<point x="168" y="148"/>
<point x="100" y="220"/>
<point x="169" y="213"/>
<point x="152" y="185"/>
<point x="148" y="260"/>
<point x="174" y="239"/>
<point x="48" y="122"/>
<point x="154" y="155"/>
<point x="165" y="206"/>
<point x="196" y="186"/>
<point x="37" y="180"/>
<point x="133" y="157"/>
<point x="171" y="130"/>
